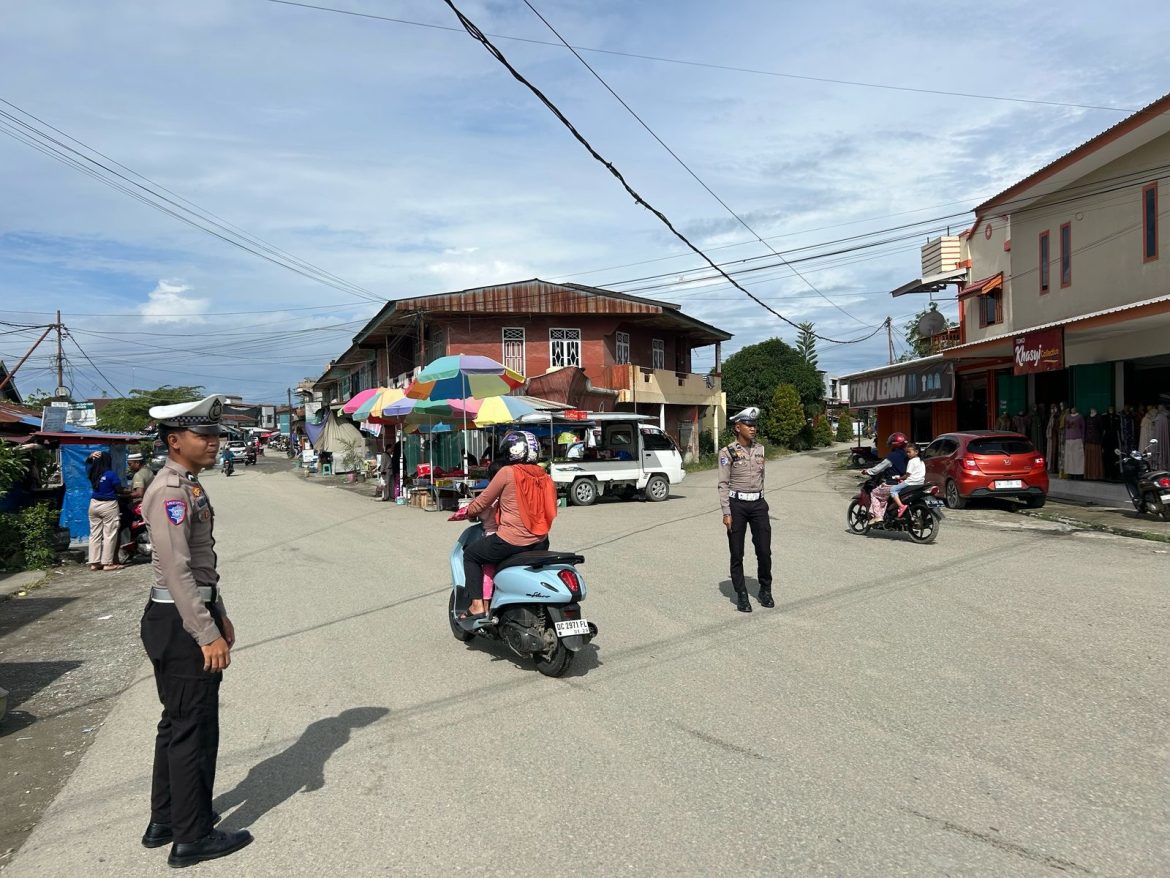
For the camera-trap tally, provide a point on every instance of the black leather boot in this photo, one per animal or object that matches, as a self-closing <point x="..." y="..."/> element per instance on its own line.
<point x="766" y="598"/>
<point x="742" y="602"/>
<point x="213" y="845"/>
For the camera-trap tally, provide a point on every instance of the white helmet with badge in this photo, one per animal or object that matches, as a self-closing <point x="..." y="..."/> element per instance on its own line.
<point x="198" y="417"/>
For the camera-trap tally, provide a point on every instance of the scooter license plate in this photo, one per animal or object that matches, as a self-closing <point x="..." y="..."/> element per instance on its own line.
<point x="572" y="627"/>
<point x="1166" y="498"/>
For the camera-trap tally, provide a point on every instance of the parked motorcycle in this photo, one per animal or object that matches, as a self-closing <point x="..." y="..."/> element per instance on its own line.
<point x="135" y="537"/>
<point x="1149" y="489"/>
<point x="861" y="456"/>
<point x="921" y="520"/>
<point x="534" y="605"/>
<point x="229" y="466"/>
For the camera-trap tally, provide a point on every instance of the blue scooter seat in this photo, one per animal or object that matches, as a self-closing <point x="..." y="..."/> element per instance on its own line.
<point x="537" y="560"/>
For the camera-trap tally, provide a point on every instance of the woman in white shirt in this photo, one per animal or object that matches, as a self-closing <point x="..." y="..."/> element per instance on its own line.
<point x="915" y="475"/>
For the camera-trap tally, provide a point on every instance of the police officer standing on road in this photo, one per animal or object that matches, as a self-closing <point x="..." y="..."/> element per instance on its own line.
<point x="188" y="636"/>
<point x="741" y="497"/>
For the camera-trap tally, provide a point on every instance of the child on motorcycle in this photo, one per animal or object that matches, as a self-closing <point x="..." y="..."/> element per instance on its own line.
<point x="915" y="475"/>
<point x="895" y="463"/>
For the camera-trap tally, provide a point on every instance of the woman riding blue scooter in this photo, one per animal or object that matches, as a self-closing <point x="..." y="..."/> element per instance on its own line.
<point x="517" y="529"/>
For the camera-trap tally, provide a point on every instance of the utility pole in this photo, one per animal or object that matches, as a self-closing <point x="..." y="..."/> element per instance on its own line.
<point x="61" y="392"/>
<point x="36" y="344"/>
<point x="890" y="336"/>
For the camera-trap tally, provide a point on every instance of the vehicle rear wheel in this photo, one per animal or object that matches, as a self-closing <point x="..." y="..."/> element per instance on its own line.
<point x="583" y="492"/>
<point x="554" y="661"/>
<point x="657" y="489"/>
<point x="1156" y="507"/>
<point x="922" y="527"/>
<point x="856" y="517"/>
<point x="1035" y="502"/>
<point x="953" y="498"/>
<point x="456" y="629"/>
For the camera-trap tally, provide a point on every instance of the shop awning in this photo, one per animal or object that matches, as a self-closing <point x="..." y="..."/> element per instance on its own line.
<point x="982" y="287"/>
<point x="1147" y="314"/>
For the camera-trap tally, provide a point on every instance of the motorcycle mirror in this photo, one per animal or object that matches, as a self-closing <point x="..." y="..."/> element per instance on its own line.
<point x="1153" y="441"/>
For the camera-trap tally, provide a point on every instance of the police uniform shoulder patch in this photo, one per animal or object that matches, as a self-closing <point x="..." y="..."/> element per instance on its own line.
<point x="176" y="510"/>
<point x="723" y="459"/>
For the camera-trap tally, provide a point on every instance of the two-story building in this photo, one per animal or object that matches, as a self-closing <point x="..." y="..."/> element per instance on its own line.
<point x="1063" y="289"/>
<point x="583" y="346"/>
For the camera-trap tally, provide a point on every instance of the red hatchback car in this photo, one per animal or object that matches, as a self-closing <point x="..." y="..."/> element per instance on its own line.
<point x="986" y="463"/>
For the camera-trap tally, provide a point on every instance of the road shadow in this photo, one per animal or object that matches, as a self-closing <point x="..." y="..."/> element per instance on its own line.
<point x="728" y="591"/>
<point x="15" y="614"/>
<point x="586" y="659"/>
<point x="300" y="768"/>
<point x="23" y="680"/>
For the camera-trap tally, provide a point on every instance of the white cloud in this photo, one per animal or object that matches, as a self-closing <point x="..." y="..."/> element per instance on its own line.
<point x="168" y="304"/>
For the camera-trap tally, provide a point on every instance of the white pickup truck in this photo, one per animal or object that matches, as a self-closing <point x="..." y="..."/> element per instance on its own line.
<point x="630" y="457"/>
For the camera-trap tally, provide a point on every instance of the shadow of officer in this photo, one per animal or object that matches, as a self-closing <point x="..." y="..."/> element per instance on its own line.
<point x="300" y="768"/>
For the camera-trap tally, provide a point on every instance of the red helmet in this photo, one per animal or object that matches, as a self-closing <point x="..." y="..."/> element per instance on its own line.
<point x="897" y="440"/>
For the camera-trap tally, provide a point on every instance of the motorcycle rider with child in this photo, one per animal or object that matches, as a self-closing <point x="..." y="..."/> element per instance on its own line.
<point x="915" y="475"/>
<point x="894" y="465"/>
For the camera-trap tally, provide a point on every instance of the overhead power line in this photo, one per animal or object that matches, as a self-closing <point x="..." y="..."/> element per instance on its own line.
<point x="479" y="36"/>
<point x="712" y="66"/>
<point x="687" y="167"/>
<point x="150" y="193"/>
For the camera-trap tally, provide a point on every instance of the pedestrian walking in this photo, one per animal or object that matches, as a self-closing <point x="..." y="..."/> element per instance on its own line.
<point x="741" y="497"/>
<point x="104" y="513"/>
<point x="188" y="636"/>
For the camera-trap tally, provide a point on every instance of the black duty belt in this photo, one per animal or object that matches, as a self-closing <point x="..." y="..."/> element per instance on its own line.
<point x="745" y="495"/>
<point x="207" y="594"/>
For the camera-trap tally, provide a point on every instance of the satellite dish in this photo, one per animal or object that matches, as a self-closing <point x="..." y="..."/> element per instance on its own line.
<point x="931" y="323"/>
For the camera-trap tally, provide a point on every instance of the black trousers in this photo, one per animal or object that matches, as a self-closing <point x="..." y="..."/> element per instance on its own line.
<point x="187" y="742"/>
<point x="489" y="550"/>
<point x="755" y="514"/>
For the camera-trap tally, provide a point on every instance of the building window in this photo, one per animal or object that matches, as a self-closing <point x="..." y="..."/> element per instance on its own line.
<point x="1045" y="261"/>
<point x="1066" y="255"/>
<point x="514" y="348"/>
<point x="564" y="347"/>
<point x="991" y="308"/>
<point x="621" y="352"/>
<point x="657" y="354"/>
<point x="1150" y="222"/>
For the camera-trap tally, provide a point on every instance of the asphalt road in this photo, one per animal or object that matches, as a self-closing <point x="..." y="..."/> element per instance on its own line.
<point x="993" y="704"/>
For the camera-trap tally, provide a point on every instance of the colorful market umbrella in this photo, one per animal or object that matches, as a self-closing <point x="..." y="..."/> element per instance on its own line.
<point x="358" y="399"/>
<point x="498" y="410"/>
<point x="459" y="376"/>
<point x="434" y="408"/>
<point x="387" y="397"/>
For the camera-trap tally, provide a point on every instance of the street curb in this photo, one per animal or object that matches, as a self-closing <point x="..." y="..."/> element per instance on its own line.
<point x="1101" y="528"/>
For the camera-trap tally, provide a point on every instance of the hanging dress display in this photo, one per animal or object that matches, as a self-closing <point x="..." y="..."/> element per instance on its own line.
<point x="1074" y="444"/>
<point x="1146" y="429"/>
<point x="1094" y="464"/>
<point x="1051" y="440"/>
<point x="1162" y="434"/>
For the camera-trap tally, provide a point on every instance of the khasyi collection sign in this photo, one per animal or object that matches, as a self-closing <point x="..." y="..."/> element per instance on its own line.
<point x="1040" y="351"/>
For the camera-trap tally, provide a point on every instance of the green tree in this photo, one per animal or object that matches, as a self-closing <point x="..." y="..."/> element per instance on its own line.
<point x="806" y="343"/>
<point x="13" y="466"/>
<point x="920" y="345"/>
<point x="785" y="415"/>
<point x="752" y="374"/>
<point x="822" y="431"/>
<point x="845" y="427"/>
<point x="39" y="399"/>
<point x="130" y="414"/>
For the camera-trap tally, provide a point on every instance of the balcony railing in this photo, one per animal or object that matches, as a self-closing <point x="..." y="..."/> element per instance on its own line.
<point x="645" y="385"/>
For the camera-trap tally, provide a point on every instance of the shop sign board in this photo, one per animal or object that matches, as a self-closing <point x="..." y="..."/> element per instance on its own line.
<point x="1041" y="351"/>
<point x="53" y="418"/>
<point x="932" y="382"/>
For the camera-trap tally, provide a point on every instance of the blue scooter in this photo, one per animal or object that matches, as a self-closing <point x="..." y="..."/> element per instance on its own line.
<point x="534" y="607"/>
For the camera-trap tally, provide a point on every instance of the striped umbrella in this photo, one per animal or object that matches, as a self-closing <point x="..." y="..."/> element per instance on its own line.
<point x="462" y="375"/>
<point x="499" y="410"/>
<point x="358" y="399"/>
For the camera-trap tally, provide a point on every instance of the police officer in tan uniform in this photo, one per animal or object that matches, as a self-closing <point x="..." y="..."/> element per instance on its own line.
<point x="741" y="497"/>
<point x="188" y="636"/>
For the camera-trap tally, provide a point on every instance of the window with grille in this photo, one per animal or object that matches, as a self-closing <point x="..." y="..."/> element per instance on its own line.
<point x="1045" y="261"/>
<point x="658" y="354"/>
<point x="1066" y="255"/>
<point x="564" y="347"/>
<point x="1150" y="222"/>
<point x="514" y="349"/>
<point x="622" y="348"/>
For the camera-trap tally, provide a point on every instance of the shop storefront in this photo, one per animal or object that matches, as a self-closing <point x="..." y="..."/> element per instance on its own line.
<point x="915" y="398"/>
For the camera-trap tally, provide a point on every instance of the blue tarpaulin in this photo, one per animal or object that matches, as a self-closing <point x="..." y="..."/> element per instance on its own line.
<point x="78" y="491"/>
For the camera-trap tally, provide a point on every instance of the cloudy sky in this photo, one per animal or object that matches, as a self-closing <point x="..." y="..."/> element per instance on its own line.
<point x="394" y="159"/>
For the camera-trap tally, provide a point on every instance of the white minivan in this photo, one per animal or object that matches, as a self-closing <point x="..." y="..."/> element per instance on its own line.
<point x="629" y="457"/>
